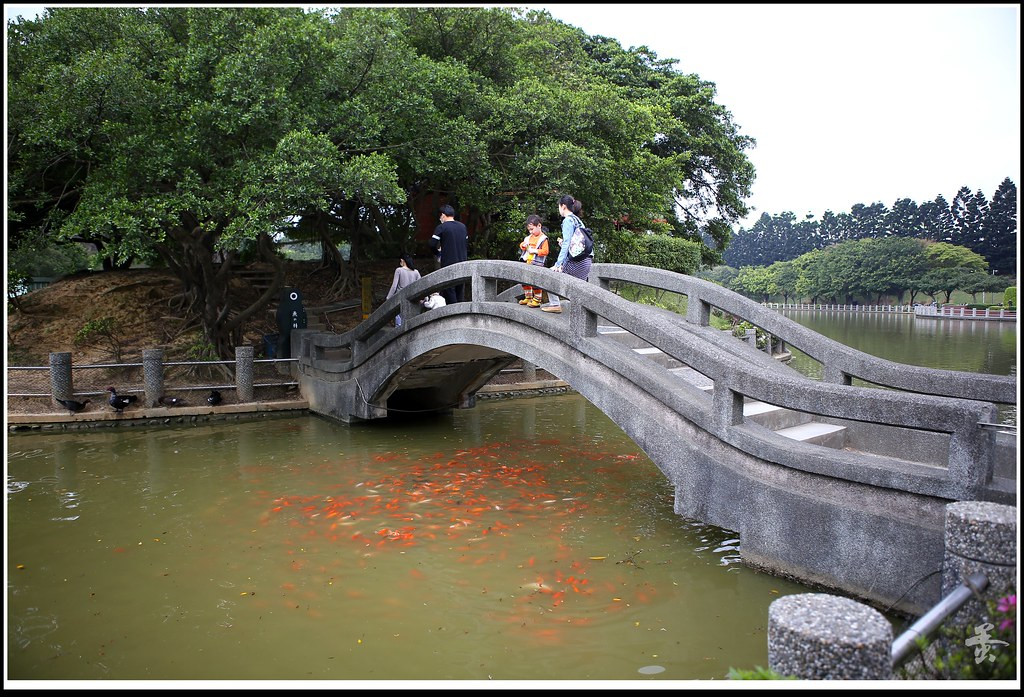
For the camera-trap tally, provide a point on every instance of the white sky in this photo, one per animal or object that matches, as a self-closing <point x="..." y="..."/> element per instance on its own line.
<point x="848" y="103"/>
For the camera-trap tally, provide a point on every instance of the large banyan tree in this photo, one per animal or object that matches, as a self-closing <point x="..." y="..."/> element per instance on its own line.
<point x="193" y="136"/>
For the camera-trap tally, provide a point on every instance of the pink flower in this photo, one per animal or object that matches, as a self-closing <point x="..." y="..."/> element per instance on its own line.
<point x="1007" y="606"/>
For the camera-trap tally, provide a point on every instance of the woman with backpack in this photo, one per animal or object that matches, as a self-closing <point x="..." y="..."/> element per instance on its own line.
<point x="405" y="275"/>
<point x="570" y="209"/>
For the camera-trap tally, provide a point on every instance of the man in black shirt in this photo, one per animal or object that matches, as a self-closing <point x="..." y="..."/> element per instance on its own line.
<point x="450" y="240"/>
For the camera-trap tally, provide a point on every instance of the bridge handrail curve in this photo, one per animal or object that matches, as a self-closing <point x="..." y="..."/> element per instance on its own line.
<point x="684" y="399"/>
<point x="713" y="357"/>
<point x="593" y="299"/>
<point x="840" y="362"/>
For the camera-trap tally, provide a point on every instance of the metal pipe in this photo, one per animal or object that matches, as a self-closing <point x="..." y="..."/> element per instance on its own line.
<point x="931" y="620"/>
<point x="998" y="427"/>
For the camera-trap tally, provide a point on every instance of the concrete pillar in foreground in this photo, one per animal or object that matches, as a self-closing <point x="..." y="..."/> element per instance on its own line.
<point x="244" y="373"/>
<point x="61" y="386"/>
<point x="815" y="636"/>
<point x="981" y="537"/>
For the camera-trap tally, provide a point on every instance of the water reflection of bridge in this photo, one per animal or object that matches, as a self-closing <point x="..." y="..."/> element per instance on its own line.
<point x="825" y="481"/>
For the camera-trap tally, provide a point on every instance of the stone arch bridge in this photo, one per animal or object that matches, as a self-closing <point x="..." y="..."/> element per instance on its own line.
<point x="832" y="483"/>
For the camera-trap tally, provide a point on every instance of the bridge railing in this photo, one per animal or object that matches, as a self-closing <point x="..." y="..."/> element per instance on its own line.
<point x="840" y="363"/>
<point x="818" y="307"/>
<point x="961" y="312"/>
<point x="932" y="400"/>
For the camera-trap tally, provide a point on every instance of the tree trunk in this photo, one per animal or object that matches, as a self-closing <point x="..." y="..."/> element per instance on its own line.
<point x="206" y="290"/>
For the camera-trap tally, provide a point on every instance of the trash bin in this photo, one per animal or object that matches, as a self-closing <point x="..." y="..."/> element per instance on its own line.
<point x="270" y="345"/>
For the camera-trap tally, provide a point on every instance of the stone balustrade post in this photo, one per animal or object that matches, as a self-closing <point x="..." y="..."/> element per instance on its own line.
<point x="728" y="405"/>
<point x="816" y="636"/>
<point x="153" y="375"/>
<point x="835" y="375"/>
<point x="61" y="383"/>
<point x="407" y="309"/>
<point x="244" y="368"/>
<point x="529" y="372"/>
<point x="980" y="537"/>
<point x="697" y="311"/>
<point x="582" y="322"/>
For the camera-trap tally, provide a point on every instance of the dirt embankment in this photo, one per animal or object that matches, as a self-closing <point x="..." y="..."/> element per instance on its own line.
<point x="141" y="304"/>
<point x="139" y="307"/>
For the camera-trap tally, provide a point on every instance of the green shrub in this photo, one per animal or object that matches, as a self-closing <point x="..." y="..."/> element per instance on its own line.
<point x="1010" y="298"/>
<point x="986" y="651"/>
<point x="762" y="337"/>
<point x="655" y="250"/>
<point x="103" y="333"/>
<point x="201" y="350"/>
<point x="670" y="253"/>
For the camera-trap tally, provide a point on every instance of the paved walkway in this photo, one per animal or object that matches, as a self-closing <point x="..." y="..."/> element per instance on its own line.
<point x="100" y="415"/>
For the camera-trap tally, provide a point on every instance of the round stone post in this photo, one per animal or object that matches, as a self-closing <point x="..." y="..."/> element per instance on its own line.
<point x="815" y="636"/>
<point x="61" y="385"/>
<point x="529" y="372"/>
<point x="981" y="537"/>
<point x="153" y="375"/>
<point x="244" y="373"/>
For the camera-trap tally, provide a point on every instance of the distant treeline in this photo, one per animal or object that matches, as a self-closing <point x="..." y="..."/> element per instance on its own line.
<point x="872" y="270"/>
<point x="986" y="227"/>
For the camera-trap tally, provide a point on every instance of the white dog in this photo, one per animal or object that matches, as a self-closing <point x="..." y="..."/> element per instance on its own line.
<point x="433" y="301"/>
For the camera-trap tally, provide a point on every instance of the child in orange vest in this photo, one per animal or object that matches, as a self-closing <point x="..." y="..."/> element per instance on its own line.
<point x="534" y="251"/>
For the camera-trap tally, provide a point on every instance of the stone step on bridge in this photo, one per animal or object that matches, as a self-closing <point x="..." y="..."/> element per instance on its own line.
<point x="829" y="482"/>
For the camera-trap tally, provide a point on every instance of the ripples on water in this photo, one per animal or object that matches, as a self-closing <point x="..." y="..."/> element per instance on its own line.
<point x="517" y="540"/>
<point x="520" y="540"/>
<point x="971" y="346"/>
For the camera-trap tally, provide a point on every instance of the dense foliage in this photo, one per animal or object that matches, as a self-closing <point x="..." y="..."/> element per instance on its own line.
<point x="985" y="649"/>
<point x="985" y="226"/>
<point x="198" y="137"/>
<point x="867" y="270"/>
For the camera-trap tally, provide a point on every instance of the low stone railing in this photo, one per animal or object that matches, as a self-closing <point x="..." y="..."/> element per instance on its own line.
<point x="60" y="376"/>
<point x="903" y="309"/>
<point x="840" y="363"/>
<point x="959" y="312"/>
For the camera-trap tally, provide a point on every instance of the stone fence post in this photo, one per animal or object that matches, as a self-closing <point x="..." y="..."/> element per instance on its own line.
<point x="981" y="537"/>
<point x="153" y="375"/>
<point x="244" y="373"/>
<point x="61" y="384"/>
<point x="815" y="636"/>
<point x="529" y="371"/>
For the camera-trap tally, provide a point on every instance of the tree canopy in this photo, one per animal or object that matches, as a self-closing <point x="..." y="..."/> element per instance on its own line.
<point x="194" y="137"/>
<point x="868" y="269"/>
<point x="985" y="226"/>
